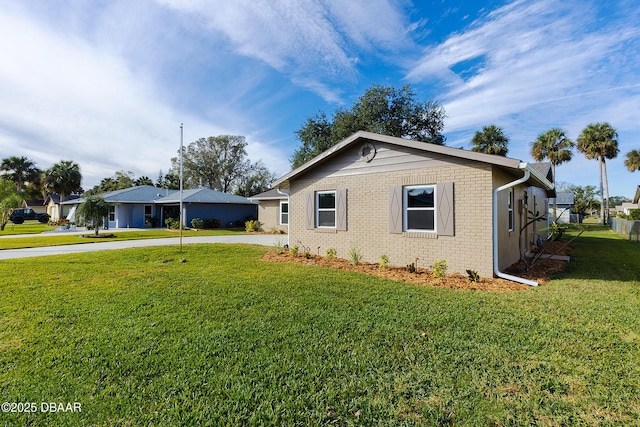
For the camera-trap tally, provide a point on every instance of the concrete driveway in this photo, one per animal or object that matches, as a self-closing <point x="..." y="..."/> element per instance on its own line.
<point x="255" y="239"/>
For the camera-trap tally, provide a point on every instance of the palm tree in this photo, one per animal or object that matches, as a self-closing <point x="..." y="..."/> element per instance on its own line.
<point x="555" y="146"/>
<point x="23" y="170"/>
<point x="599" y="141"/>
<point x="633" y="160"/>
<point x="490" y="141"/>
<point x="143" y="180"/>
<point x="95" y="209"/>
<point x="63" y="179"/>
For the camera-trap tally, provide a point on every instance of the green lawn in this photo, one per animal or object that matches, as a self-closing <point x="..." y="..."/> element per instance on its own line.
<point x="139" y="338"/>
<point x="57" y="239"/>
<point x="28" y="227"/>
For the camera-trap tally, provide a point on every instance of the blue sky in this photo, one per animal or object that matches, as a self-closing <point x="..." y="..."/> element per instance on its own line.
<point x="107" y="83"/>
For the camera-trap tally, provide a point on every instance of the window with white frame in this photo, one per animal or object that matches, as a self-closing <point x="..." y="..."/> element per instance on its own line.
<point x="419" y="208"/>
<point x="326" y="209"/>
<point x="284" y="213"/>
<point x="510" y="210"/>
<point x="147" y="212"/>
<point x="112" y="213"/>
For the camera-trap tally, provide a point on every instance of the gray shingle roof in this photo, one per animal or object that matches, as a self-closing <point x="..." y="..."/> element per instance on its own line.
<point x="151" y="194"/>
<point x="204" y="195"/>
<point x="269" y="195"/>
<point x="565" y="198"/>
<point x="141" y="194"/>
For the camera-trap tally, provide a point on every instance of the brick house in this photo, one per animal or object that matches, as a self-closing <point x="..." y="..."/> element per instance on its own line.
<point x="273" y="210"/>
<point x="408" y="199"/>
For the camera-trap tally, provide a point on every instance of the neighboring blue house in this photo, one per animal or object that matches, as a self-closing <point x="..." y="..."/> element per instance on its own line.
<point x="136" y="207"/>
<point x="208" y="204"/>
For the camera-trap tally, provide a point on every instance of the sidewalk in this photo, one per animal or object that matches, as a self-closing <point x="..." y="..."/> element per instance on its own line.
<point x="254" y="239"/>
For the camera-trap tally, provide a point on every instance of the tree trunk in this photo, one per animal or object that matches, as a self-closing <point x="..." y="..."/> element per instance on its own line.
<point x="555" y="200"/>
<point x="600" y="161"/>
<point x="606" y="186"/>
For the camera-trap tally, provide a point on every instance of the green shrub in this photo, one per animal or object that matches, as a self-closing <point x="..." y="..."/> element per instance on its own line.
<point x="384" y="261"/>
<point x="439" y="268"/>
<point x="279" y="247"/>
<point x="212" y="223"/>
<point x="355" y="255"/>
<point x="634" y="214"/>
<point x="197" y="223"/>
<point x="252" y="225"/>
<point x="331" y="254"/>
<point x="473" y="276"/>
<point x="172" y="223"/>
<point x="153" y="221"/>
<point x="293" y="250"/>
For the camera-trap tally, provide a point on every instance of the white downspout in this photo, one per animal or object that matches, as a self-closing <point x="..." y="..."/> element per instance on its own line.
<point x="496" y="268"/>
<point x="284" y="193"/>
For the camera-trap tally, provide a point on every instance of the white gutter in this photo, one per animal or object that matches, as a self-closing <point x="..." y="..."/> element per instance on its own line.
<point x="284" y="193"/>
<point x="496" y="268"/>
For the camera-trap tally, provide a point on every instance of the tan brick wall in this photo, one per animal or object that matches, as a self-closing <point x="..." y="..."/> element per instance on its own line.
<point x="268" y="215"/>
<point x="368" y="218"/>
<point x="512" y="243"/>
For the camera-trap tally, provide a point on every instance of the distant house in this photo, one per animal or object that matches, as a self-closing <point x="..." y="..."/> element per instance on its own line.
<point x="626" y="208"/>
<point x="229" y="209"/>
<point x="37" y="205"/>
<point x="563" y="204"/>
<point x="142" y="206"/>
<point x="412" y="201"/>
<point x="57" y="210"/>
<point x="273" y="209"/>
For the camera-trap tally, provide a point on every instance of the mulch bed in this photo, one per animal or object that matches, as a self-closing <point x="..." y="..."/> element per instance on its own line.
<point x="539" y="272"/>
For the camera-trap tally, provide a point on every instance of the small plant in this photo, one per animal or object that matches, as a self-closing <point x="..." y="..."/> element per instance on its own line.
<point x="413" y="267"/>
<point x="278" y="247"/>
<point x="197" y="223"/>
<point x="331" y="254"/>
<point x="212" y="223"/>
<point x="355" y="255"/>
<point x="384" y="261"/>
<point x="473" y="276"/>
<point x="252" y="225"/>
<point x="172" y="223"/>
<point x="439" y="268"/>
<point x="307" y="254"/>
<point x="293" y="250"/>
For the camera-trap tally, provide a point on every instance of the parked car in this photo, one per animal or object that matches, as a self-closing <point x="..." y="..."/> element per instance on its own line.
<point x="18" y="216"/>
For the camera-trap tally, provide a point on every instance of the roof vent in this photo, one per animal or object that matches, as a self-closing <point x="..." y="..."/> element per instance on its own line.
<point x="367" y="152"/>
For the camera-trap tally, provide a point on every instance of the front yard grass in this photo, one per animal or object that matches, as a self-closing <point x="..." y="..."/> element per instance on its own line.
<point x="28" y="227"/>
<point x="139" y="338"/>
<point x="59" y="239"/>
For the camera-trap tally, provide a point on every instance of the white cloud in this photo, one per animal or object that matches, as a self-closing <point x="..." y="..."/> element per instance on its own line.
<point x="313" y="42"/>
<point x="533" y="65"/>
<point x="66" y="96"/>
